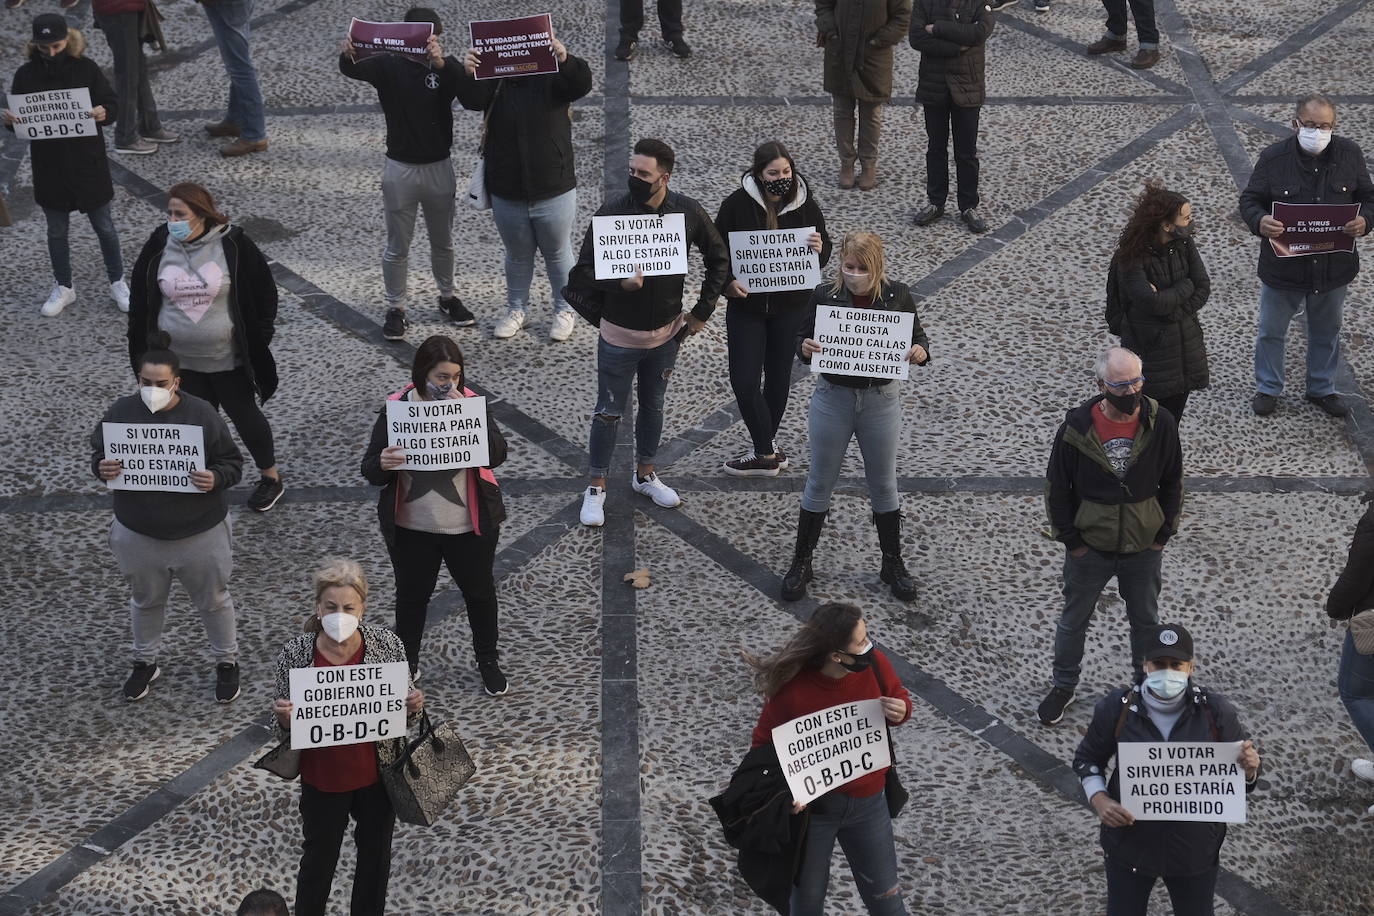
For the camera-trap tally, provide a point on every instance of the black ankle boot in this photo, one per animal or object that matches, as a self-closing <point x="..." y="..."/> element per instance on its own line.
<point x="894" y="572"/>
<point x="809" y="525"/>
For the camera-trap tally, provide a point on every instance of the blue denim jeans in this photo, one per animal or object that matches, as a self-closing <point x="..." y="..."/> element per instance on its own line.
<point x="1138" y="580"/>
<point x="230" y="21"/>
<point x="616" y="370"/>
<point x="838" y="414"/>
<point x="864" y="830"/>
<point x="60" y="254"/>
<point x="1277" y="307"/>
<point x="1355" y="681"/>
<point x="527" y="225"/>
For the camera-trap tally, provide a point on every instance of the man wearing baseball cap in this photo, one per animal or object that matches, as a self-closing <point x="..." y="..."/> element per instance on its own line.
<point x="1168" y="707"/>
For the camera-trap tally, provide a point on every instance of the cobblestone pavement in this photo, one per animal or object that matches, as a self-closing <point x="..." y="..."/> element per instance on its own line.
<point x="630" y="708"/>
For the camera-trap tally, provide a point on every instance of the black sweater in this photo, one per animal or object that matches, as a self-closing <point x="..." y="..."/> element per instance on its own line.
<point x="529" y="152"/>
<point x="416" y="100"/>
<point x="743" y="211"/>
<point x="1354" y="590"/>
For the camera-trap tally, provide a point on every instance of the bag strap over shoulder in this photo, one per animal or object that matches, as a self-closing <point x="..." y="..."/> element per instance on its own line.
<point x="486" y="118"/>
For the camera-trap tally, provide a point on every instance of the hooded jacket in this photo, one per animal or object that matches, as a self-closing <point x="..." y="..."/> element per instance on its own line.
<point x="858" y="36"/>
<point x="70" y="174"/>
<point x="485" y="506"/>
<point x="952" y="58"/>
<point x="1088" y="504"/>
<point x="252" y="304"/>
<point x="745" y="211"/>
<point x="755" y="811"/>
<point x="1287" y="174"/>
<point x="1160" y="324"/>
<point x="1158" y="848"/>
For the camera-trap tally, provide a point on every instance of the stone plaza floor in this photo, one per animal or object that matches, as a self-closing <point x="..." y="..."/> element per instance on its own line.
<point x="630" y="708"/>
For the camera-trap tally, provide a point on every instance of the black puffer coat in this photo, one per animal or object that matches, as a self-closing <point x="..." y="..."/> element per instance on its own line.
<point x="70" y="174"/>
<point x="858" y="36"/>
<point x="952" y="62"/>
<point x="1160" y="325"/>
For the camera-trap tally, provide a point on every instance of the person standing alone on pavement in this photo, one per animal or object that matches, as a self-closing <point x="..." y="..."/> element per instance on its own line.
<point x="244" y="120"/>
<point x="951" y="35"/>
<point x="124" y="22"/>
<point x="669" y="21"/>
<point x="1114" y="39"/>
<point x="417" y="102"/>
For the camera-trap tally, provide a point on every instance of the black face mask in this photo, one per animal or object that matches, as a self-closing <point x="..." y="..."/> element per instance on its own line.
<point x="1181" y="232"/>
<point x="1126" y="403"/>
<point x="640" y="189"/>
<point x="860" y="661"/>
<point x="779" y="187"/>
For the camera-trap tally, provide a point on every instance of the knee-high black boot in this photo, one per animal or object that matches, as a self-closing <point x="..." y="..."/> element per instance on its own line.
<point x="894" y="572"/>
<point x="809" y="525"/>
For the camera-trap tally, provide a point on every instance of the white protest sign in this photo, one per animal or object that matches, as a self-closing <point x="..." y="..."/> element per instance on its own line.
<point x="156" y="456"/>
<point x="831" y="747"/>
<point x="872" y="342"/>
<point x="654" y="245"/>
<point x="1182" y="780"/>
<point x="439" y="435"/>
<point x="58" y="114"/>
<point x="772" y="261"/>
<point x="348" y="704"/>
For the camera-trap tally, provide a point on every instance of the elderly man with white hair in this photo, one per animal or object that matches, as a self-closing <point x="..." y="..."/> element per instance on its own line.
<point x="1113" y="492"/>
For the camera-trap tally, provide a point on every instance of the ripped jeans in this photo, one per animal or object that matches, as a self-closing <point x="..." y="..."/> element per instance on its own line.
<point x="616" y="370"/>
<point x="864" y="829"/>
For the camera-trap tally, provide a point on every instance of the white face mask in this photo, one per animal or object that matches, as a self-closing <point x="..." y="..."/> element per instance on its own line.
<point x="1312" y="140"/>
<point x="1166" y="683"/>
<point x="855" y="281"/>
<point x="339" y="626"/>
<point x="155" y="398"/>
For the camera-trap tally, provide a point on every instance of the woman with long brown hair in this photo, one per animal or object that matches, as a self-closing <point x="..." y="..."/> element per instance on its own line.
<point x="828" y="662"/>
<point x="1156" y="285"/>
<point x="203" y="281"/>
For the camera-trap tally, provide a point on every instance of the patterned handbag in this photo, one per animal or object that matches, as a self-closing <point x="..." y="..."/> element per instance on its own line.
<point x="428" y="774"/>
<point x="1362" y="632"/>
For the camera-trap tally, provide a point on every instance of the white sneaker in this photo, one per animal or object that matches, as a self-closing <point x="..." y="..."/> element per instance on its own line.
<point x="508" y="326"/>
<point x="662" y="494"/>
<point x="60" y="298"/>
<point x="1363" y="768"/>
<point x="594" y="507"/>
<point x="562" y="326"/>
<point x="119" y="292"/>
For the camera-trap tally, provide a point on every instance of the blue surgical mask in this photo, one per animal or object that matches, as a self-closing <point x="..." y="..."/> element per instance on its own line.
<point x="179" y="229"/>
<point x="1166" y="683"/>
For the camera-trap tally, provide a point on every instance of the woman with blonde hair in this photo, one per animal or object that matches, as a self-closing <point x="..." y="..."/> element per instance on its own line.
<point x="866" y="408"/>
<point x="344" y="780"/>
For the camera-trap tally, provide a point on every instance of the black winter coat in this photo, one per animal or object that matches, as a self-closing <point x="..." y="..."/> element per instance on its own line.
<point x="1158" y="848"/>
<point x="1160" y="325"/>
<point x="252" y="304"/>
<point x="491" y="508"/>
<point x="858" y="36"/>
<point x="743" y="211"/>
<point x="952" y="59"/>
<point x="1354" y="589"/>
<point x="1286" y="174"/>
<point x="528" y="148"/>
<point x="756" y="812"/>
<point x="70" y="174"/>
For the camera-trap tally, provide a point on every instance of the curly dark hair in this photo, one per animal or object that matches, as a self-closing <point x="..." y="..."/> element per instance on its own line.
<point x="1155" y="205"/>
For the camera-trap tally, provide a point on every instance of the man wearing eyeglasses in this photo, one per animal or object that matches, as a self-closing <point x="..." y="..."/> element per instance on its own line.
<point x="1113" y="492"/>
<point x="1311" y="167"/>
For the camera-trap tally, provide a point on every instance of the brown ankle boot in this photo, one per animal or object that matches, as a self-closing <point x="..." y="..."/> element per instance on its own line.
<point x="846" y="174"/>
<point x="868" y="175"/>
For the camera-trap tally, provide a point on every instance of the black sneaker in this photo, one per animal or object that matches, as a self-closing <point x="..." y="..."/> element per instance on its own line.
<point x="493" y="681"/>
<point x="394" y="328"/>
<point x="679" y="46"/>
<point x="453" y="308"/>
<point x="1331" y="403"/>
<point x="752" y="465"/>
<point x="927" y="215"/>
<point x="136" y="687"/>
<point x="626" y="49"/>
<point x="1263" y="404"/>
<point x="1051" y="709"/>
<point x="226" y="682"/>
<point x="266" y="494"/>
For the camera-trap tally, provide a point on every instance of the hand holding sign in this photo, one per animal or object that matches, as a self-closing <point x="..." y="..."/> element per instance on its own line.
<point x="1269" y="227"/>
<point x="1355" y="228"/>
<point x="831" y="747"/>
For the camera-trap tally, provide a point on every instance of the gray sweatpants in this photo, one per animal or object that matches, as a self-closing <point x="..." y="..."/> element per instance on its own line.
<point x="201" y="563"/>
<point x="432" y="188"/>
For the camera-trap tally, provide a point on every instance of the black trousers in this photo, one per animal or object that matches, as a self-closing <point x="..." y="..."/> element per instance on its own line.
<point x="137" y="110"/>
<point x="632" y="18"/>
<point x="324" y="818"/>
<point x="762" y="348"/>
<point x="234" y="392"/>
<point x="964" y="122"/>
<point x="1175" y="403"/>
<point x="1143" y="11"/>
<point x="469" y="557"/>
<point x="1128" y="892"/>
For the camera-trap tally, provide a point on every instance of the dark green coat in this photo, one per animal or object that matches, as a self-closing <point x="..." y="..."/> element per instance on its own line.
<point x="858" y="36"/>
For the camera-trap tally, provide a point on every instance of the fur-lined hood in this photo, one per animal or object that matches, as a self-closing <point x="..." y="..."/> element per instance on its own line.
<point x="76" y="46"/>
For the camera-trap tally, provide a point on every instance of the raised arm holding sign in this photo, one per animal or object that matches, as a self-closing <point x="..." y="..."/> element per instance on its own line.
<point x="408" y="39"/>
<point x="513" y="47"/>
